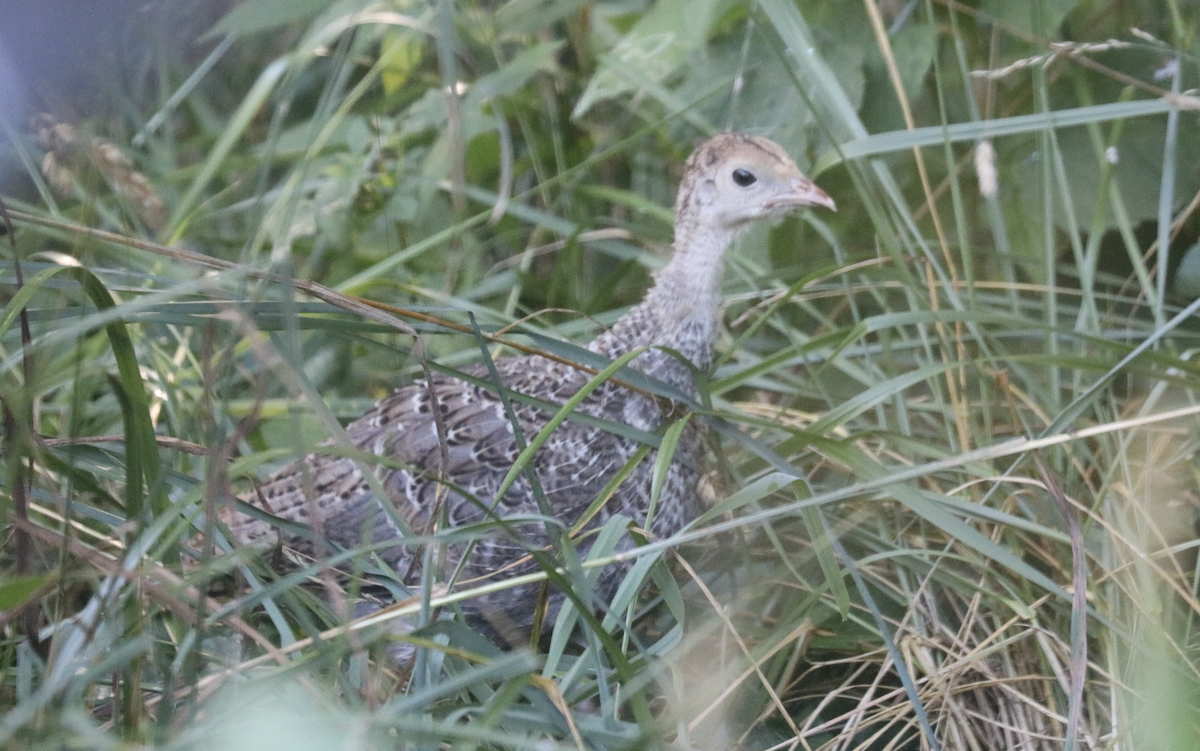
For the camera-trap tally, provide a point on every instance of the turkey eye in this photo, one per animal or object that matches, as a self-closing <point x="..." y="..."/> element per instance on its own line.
<point x="744" y="178"/>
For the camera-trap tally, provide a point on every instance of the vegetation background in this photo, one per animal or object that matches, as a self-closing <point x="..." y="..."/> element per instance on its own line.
<point x="954" y="425"/>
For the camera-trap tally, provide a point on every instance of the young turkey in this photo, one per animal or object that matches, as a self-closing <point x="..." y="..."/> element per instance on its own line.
<point x="452" y="471"/>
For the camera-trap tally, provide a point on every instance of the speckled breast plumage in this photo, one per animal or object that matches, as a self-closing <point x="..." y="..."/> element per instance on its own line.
<point x="430" y="482"/>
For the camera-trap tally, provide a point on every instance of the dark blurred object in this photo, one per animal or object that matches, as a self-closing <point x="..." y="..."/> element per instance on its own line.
<point x="80" y="60"/>
<point x="61" y="53"/>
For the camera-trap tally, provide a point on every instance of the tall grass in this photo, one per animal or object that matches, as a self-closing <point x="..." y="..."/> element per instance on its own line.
<point x="953" y="428"/>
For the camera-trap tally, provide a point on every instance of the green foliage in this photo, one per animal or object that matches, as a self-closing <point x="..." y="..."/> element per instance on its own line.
<point x="912" y="399"/>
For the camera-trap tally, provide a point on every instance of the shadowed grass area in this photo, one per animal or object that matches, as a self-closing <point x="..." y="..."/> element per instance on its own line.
<point x="953" y="427"/>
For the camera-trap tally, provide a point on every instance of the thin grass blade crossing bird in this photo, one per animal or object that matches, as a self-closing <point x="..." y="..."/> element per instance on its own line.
<point x="452" y="472"/>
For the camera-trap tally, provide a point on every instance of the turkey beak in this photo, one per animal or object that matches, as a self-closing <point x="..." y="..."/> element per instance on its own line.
<point x="803" y="193"/>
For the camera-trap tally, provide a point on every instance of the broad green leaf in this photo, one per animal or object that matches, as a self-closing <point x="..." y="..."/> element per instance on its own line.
<point x="513" y="75"/>
<point x="656" y="47"/>
<point x="525" y="16"/>
<point x="254" y="16"/>
<point x="914" y="47"/>
<point x="16" y="590"/>
<point x="1187" y="276"/>
<point x="401" y="51"/>
<point x="1040" y="17"/>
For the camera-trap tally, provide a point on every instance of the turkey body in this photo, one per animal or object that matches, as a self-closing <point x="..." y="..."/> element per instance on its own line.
<point x="450" y="442"/>
<point x="454" y="482"/>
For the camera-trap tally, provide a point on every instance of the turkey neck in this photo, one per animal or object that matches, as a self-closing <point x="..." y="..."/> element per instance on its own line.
<point x="680" y="311"/>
